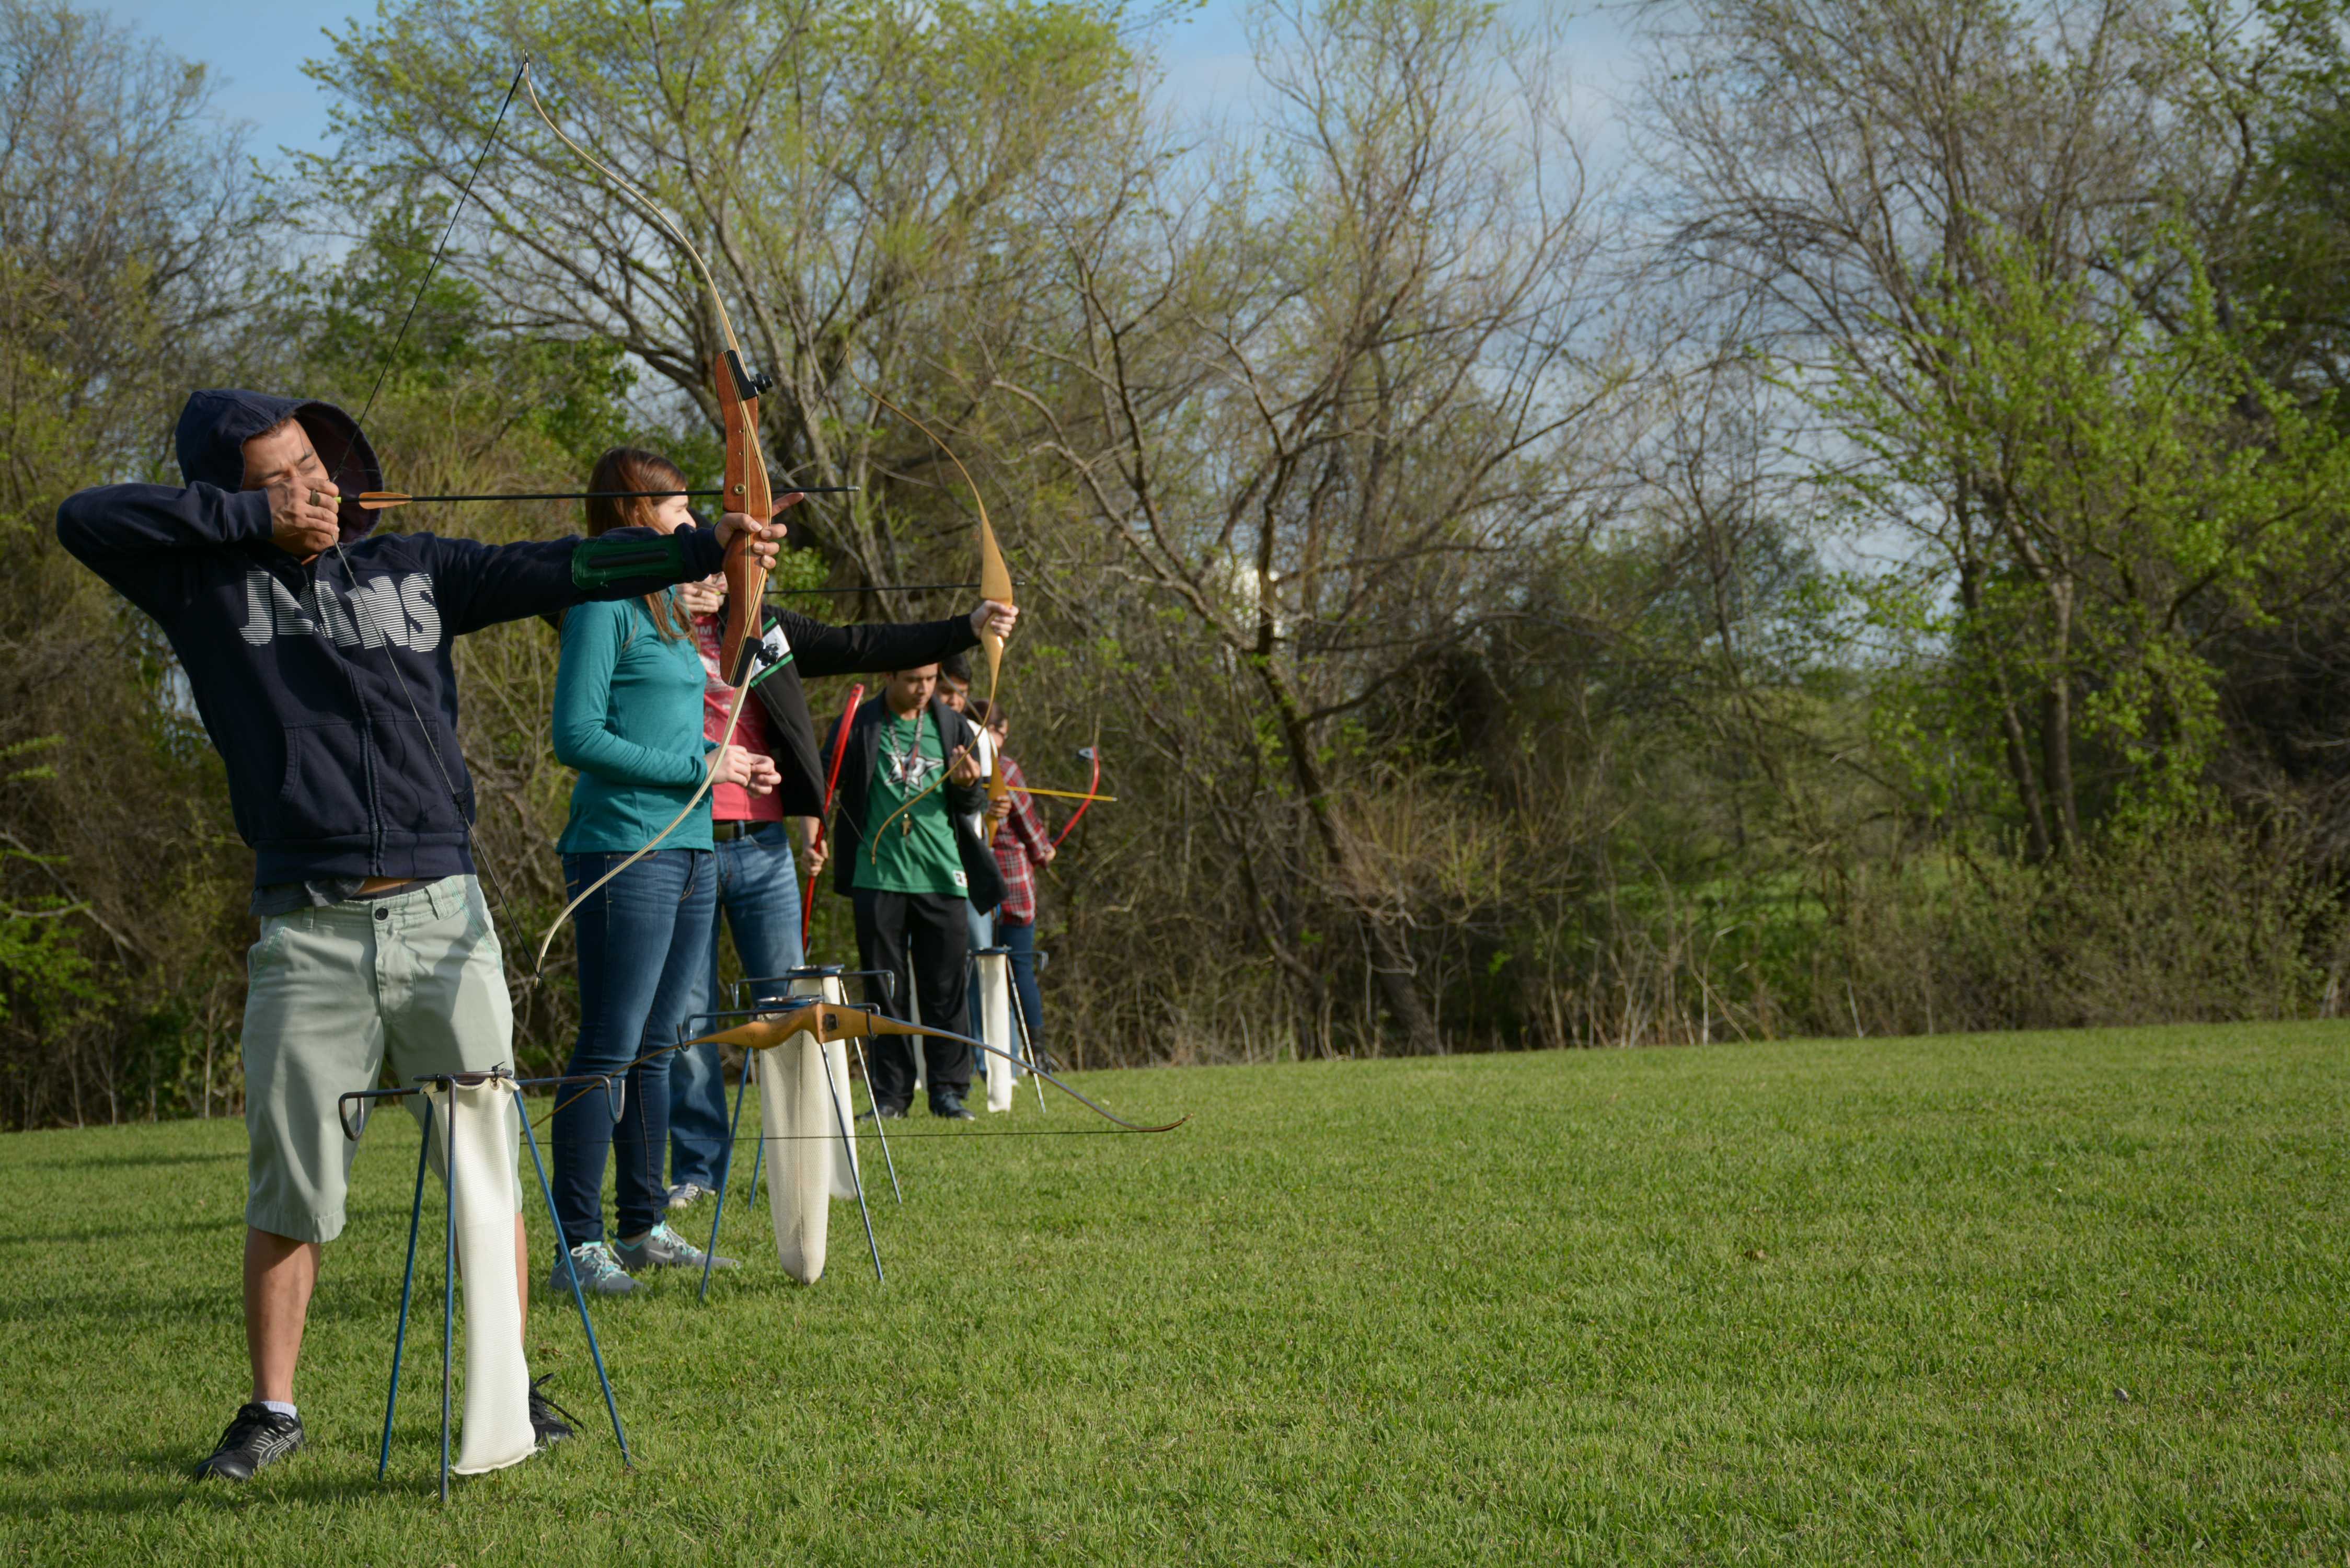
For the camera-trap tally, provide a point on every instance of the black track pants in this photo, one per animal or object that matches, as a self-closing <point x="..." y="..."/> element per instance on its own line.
<point x="929" y="929"/>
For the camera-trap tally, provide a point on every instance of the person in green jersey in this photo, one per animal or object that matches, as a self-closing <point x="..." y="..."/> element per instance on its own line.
<point x="905" y="853"/>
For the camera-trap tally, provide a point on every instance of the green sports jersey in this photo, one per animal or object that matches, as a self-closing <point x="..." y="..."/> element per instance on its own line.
<point x="917" y="853"/>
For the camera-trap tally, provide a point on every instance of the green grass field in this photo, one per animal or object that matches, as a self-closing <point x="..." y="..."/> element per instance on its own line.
<point x="2026" y="1299"/>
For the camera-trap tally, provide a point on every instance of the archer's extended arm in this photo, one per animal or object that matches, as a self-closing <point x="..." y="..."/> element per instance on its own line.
<point x="820" y="647"/>
<point x="481" y="585"/>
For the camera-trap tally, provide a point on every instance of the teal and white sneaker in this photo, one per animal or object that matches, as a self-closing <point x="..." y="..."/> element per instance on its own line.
<point x="600" y="1274"/>
<point x="662" y="1248"/>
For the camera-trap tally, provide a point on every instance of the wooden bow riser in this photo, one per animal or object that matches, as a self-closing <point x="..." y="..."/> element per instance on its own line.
<point x="747" y="492"/>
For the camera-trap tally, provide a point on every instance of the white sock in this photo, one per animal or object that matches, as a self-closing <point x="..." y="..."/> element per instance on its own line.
<point x="277" y="1407"/>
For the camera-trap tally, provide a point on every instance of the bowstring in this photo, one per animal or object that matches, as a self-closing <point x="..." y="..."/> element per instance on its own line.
<point x="709" y="777"/>
<point x="383" y="368"/>
<point x="1054" y="1079"/>
<point x="659" y="1051"/>
<point x="357" y="608"/>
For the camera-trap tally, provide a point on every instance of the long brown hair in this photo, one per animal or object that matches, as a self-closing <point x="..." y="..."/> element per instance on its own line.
<point x="634" y="468"/>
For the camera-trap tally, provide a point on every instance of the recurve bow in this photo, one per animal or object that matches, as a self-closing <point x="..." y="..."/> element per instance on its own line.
<point x="830" y="1021"/>
<point x="746" y="490"/>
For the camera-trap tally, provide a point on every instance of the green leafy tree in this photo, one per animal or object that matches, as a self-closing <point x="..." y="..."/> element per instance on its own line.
<point x="2089" y="503"/>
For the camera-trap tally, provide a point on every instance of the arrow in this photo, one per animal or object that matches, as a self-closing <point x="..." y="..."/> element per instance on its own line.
<point x="781" y="591"/>
<point x="383" y="500"/>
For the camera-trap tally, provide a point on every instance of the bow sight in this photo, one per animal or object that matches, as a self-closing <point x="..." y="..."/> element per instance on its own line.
<point x="748" y="383"/>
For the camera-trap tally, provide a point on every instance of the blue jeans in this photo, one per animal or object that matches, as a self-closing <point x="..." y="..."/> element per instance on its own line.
<point x="759" y="897"/>
<point x="643" y="949"/>
<point x="1021" y="939"/>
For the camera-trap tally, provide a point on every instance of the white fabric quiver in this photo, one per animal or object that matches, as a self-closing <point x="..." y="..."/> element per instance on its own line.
<point x="995" y="1027"/>
<point x="794" y="1118"/>
<point x="478" y="1136"/>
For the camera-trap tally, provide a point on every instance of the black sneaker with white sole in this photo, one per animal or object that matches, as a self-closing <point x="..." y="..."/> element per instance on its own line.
<point x="258" y="1436"/>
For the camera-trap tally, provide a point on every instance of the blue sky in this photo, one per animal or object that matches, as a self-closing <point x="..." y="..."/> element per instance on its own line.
<point x="256" y="47"/>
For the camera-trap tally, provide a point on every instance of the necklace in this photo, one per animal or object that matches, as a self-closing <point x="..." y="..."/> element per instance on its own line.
<point x="901" y="760"/>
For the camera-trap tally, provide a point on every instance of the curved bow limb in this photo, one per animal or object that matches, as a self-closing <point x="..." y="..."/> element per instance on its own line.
<point x="994" y="584"/>
<point x="747" y="491"/>
<point x="830" y="1021"/>
<point x="1093" y="754"/>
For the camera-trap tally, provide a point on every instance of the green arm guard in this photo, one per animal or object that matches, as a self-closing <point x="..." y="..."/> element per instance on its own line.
<point x="600" y="562"/>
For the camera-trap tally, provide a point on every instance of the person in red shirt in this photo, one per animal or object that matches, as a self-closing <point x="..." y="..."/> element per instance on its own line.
<point x="1020" y="846"/>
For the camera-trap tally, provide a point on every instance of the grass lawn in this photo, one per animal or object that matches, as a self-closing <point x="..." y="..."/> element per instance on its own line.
<point x="2029" y="1298"/>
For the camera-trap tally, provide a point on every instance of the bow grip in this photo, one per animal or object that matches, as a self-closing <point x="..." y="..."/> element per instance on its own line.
<point x="746" y="587"/>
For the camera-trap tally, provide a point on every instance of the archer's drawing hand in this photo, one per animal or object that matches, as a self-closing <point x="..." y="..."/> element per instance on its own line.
<point x="765" y="537"/>
<point x="707" y="597"/>
<point x="754" y="771"/>
<point x="965" y="770"/>
<point x="995" y="617"/>
<point x="302" y="518"/>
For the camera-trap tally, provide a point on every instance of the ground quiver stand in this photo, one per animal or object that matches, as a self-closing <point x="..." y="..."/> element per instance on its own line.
<point x="472" y="1122"/>
<point x="806" y="1114"/>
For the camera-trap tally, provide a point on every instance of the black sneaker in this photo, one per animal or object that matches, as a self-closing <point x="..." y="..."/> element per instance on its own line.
<point x="948" y="1104"/>
<point x="550" y="1420"/>
<point x="887" y="1113"/>
<point x="257" y="1437"/>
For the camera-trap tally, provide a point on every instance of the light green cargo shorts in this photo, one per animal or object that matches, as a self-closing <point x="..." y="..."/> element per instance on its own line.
<point x="331" y="993"/>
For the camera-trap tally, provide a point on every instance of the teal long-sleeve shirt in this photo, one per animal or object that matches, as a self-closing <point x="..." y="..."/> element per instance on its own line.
<point x="627" y="715"/>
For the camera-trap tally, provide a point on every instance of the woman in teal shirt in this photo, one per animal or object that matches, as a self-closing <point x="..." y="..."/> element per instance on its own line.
<point x="628" y="716"/>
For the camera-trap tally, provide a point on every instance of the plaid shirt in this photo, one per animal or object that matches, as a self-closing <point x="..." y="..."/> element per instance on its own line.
<point x="1019" y="846"/>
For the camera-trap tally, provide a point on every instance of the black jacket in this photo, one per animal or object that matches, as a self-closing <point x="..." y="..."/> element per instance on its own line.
<point x="304" y="674"/>
<point x="845" y="831"/>
<point x="821" y="649"/>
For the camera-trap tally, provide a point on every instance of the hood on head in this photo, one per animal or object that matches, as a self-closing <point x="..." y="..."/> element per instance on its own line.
<point x="215" y="425"/>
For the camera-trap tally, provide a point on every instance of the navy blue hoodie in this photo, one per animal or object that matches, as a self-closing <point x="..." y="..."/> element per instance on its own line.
<point x="292" y="665"/>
